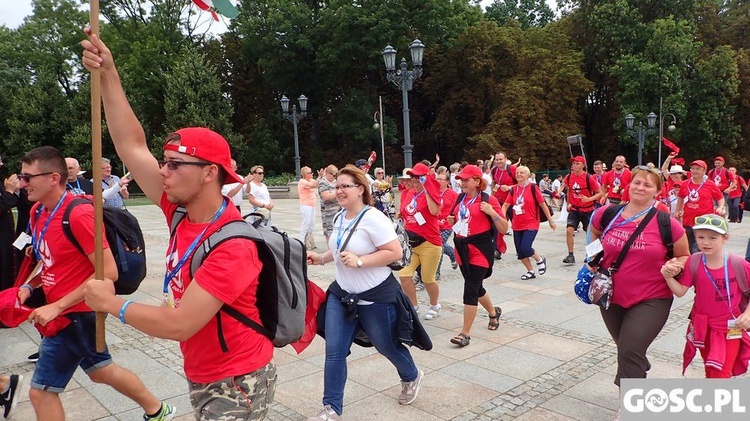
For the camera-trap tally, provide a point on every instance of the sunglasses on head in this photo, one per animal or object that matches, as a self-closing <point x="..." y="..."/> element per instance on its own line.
<point x="28" y="177"/>
<point x="713" y="221"/>
<point x="646" y="168"/>
<point x="174" y="165"/>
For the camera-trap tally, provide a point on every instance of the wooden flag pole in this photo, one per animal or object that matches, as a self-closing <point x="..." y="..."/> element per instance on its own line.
<point x="96" y="164"/>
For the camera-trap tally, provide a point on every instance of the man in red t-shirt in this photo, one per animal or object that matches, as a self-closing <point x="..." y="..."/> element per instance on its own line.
<point x="503" y="178"/>
<point x="736" y="191"/>
<point x="698" y="196"/>
<point x="230" y="379"/>
<point x="723" y="179"/>
<point x="583" y="191"/>
<point x="65" y="271"/>
<point x="615" y="181"/>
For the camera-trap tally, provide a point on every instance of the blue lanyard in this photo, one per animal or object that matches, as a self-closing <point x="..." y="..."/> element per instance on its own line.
<point x="414" y="199"/>
<point x="341" y="232"/>
<point x="463" y="210"/>
<point x="632" y="218"/>
<point x="77" y="189"/>
<point x="726" y="279"/>
<point x="37" y="238"/>
<point x="189" y="252"/>
<point x="519" y="198"/>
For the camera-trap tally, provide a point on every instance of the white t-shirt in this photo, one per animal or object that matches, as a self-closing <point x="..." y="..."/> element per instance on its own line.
<point x="556" y="186"/>
<point x="373" y="231"/>
<point x="488" y="179"/>
<point x="260" y="193"/>
<point x="237" y="198"/>
<point x="455" y="183"/>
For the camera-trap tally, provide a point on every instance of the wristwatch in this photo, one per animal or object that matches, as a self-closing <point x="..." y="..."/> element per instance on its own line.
<point x="360" y="263"/>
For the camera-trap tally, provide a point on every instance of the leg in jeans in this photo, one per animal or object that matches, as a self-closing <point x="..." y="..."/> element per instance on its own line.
<point x="339" y="339"/>
<point x="633" y="329"/>
<point x="524" y="241"/>
<point x="447" y="249"/>
<point x="379" y="322"/>
<point x="734" y="209"/>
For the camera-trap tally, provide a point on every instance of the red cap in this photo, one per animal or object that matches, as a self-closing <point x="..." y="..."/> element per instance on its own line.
<point x="469" y="171"/>
<point x="207" y="145"/>
<point x="419" y="170"/>
<point x="699" y="163"/>
<point x="578" y="158"/>
<point x="719" y="158"/>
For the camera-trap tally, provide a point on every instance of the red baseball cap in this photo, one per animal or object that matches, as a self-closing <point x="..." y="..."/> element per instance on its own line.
<point x="207" y="145"/>
<point x="578" y="158"/>
<point x="719" y="158"/>
<point x="419" y="170"/>
<point x="700" y="163"/>
<point x="469" y="171"/>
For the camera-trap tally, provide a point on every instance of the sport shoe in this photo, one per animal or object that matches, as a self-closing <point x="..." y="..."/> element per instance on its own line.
<point x="419" y="286"/>
<point x="327" y="413"/>
<point x="410" y="390"/>
<point x="9" y="399"/>
<point x="166" y="413"/>
<point x="33" y="357"/>
<point x="454" y="264"/>
<point x="569" y="259"/>
<point x="433" y="312"/>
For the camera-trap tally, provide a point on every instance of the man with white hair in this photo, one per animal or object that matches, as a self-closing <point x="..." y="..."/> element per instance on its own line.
<point x="77" y="185"/>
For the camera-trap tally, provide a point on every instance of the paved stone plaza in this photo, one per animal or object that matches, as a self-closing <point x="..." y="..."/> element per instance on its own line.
<point x="551" y="358"/>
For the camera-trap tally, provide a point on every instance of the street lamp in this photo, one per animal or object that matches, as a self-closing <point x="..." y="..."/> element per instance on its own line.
<point x="295" y="118"/>
<point x="378" y="119"/>
<point x="404" y="79"/>
<point x="671" y="127"/>
<point x="641" y="132"/>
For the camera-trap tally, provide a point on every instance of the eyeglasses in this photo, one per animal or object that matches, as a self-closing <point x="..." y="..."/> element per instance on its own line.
<point x="28" y="177"/>
<point x="333" y="174"/>
<point x="346" y="186"/>
<point x="415" y="177"/>
<point x="713" y="221"/>
<point x="174" y="165"/>
<point x="259" y="172"/>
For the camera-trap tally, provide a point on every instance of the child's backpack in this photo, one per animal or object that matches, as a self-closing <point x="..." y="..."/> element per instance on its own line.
<point x="739" y="273"/>
<point x="125" y="240"/>
<point x="282" y="288"/>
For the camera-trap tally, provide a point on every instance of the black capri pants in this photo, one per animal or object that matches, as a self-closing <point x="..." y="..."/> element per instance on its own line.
<point x="473" y="288"/>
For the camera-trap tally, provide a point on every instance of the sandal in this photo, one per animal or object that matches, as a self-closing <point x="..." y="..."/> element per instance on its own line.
<point x="528" y="275"/>
<point x="461" y="339"/>
<point x="542" y="266"/>
<point x="495" y="320"/>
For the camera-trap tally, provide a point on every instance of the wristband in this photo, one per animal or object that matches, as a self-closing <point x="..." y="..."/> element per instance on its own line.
<point x="122" y="310"/>
<point x="495" y="219"/>
<point x="31" y="289"/>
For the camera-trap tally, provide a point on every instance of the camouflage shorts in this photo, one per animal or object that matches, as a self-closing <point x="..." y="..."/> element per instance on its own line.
<point x="245" y="397"/>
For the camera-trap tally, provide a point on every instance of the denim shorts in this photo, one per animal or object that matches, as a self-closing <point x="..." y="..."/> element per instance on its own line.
<point x="73" y="347"/>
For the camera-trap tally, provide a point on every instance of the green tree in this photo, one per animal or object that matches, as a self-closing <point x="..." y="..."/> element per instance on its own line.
<point x="528" y="13"/>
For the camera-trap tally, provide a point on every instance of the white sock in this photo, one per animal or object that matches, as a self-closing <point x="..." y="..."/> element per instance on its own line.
<point x="436" y="307"/>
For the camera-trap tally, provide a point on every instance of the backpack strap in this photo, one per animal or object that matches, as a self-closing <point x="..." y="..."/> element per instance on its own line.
<point x="351" y="231"/>
<point x="459" y="199"/>
<point x="738" y="267"/>
<point x="695" y="260"/>
<point x="179" y="214"/>
<point x="610" y="213"/>
<point x="66" y="222"/>
<point x="665" y="230"/>
<point x="626" y="248"/>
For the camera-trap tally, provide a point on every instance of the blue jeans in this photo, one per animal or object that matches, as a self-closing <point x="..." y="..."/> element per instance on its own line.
<point x="734" y="209"/>
<point x="378" y="320"/>
<point x="524" y="241"/>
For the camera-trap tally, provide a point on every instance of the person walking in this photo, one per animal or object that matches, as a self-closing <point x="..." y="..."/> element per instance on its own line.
<point x="419" y="210"/>
<point x="8" y="201"/>
<point x="228" y="365"/>
<point x="736" y="192"/>
<point x="234" y="190"/>
<point x="615" y="181"/>
<point x="641" y="300"/>
<point x="115" y="189"/>
<point x="698" y="196"/>
<point x="448" y="198"/>
<point x="77" y="185"/>
<point x="526" y="201"/>
<point x="473" y="217"/>
<point x="582" y="192"/>
<point x="9" y="393"/>
<point x="306" y="187"/>
<point x="329" y="206"/>
<point x="63" y="276"/>
<point x="258" y="195"/>
<point x="365" y="295"/>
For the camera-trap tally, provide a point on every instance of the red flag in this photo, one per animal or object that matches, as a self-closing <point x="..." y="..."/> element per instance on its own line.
<point x="670" y="145"/>
<point x="678" y="161"/>
<point x="13" y="313"/>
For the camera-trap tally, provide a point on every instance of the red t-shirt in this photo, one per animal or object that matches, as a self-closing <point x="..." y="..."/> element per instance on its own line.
<point x="429" y="230"/>
<point x="639" y="278"/>
<point x="615" y="183"/>
<point x="64" y="267"/>
<point x="698" y="200"/>
<point x="708" y="300"/>
<point x="524" y="197"/>
<point x="578" y="189"/>
<point x="229" y="273"/>
<point x="478" y="222"/>
<point x="503" y="177"/>
<point x="737" y="192"/>
<point x="448" y="197"/>
<point x="721" y="178"/>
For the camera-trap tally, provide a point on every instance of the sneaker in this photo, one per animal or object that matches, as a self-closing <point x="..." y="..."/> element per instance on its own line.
<point x="166" y="413"/>
<point x="33" y="357"/>
<point x="433" y="312"/>
<point x="327" y="413"/>
<point x="454" y="264"/>
<point x="569" y="259"/>
<point x="498" y="256"/>
<point x="416" y="278"/>
<point x="410" y="390"/>
<point x="9" y="399"/>
<point x="419" y="286"/>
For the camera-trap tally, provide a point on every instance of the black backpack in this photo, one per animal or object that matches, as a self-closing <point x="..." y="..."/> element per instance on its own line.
<point x="665" y="225"/>
<point x="282" y="287"/>
<point x="125" y="240"/>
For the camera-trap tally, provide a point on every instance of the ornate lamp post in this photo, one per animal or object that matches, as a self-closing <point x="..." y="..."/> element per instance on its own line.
<point x="378" y="124"/>
<point x="295" y="118"/>
<point x="404" y="79"/>
<point x="641" y="132"/>
<point x="671" y="126"/>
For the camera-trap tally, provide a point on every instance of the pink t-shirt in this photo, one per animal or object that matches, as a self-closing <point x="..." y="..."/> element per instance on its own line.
<point x="306" y="194"/>
<point x="710" y="300"/>
<point x="639" y="278"/>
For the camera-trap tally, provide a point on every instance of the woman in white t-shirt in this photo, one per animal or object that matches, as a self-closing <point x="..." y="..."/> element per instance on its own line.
<point x="258" y="195"/>
<point x="362" y="244"/>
